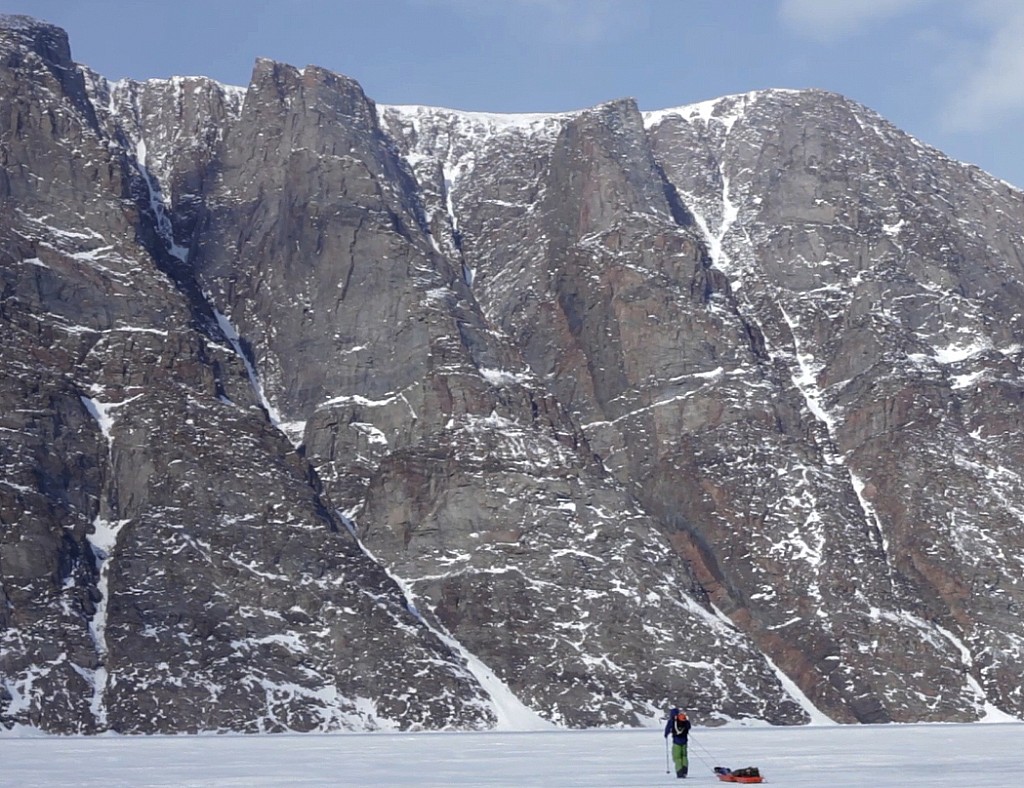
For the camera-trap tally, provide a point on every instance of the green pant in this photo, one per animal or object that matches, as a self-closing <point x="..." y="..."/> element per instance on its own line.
<point x="679" y="756"/>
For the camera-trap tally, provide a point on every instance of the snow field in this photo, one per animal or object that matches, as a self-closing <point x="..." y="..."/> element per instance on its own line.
<point x="835" y="756"/>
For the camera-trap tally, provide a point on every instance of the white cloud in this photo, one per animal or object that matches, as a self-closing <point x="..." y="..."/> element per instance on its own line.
<point x="979" y="69"/>
<point x="826" y="20"/>
<point x="992" y="90"/>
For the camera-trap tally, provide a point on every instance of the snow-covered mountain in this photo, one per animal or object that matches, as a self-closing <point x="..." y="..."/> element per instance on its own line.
<point x="327" y="415"/>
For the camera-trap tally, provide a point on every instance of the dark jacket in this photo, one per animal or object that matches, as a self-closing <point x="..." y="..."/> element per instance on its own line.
<point x="672" y="713"/>
<point x="678" y="728"/>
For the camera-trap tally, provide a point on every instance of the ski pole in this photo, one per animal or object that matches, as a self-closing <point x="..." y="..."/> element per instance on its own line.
<point x="666" y="755"/>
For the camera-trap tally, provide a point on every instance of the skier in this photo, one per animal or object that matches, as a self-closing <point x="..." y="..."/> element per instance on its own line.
<point x="679" y="726"/>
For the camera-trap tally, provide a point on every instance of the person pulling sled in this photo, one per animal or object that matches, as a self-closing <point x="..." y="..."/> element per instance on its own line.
<point x="679" y="726"/>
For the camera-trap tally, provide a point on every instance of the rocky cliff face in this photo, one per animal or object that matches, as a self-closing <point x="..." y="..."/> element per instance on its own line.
<point x="323" y="415"/>
<point x="146" y="587"/>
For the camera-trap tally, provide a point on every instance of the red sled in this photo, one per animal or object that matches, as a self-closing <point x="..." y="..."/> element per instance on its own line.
<point x="751" y="774"/>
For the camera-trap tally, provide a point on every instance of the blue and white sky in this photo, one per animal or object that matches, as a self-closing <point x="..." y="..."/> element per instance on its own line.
<point x="950" y="72"/>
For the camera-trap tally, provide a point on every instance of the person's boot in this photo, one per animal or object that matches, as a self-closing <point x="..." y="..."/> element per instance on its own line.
<point x="681" y="773"/>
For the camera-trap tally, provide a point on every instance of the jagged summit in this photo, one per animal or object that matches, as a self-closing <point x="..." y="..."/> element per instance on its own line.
<point x="47" y="41"/>
<point x="22" y="23"/>
<point x="324" y="415"/>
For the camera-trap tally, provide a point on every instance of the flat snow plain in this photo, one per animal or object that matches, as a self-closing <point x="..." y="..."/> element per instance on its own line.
<point x="926" y="756"/>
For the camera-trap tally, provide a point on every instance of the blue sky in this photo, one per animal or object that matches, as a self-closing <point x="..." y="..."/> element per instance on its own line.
<point x="950" y="72"/>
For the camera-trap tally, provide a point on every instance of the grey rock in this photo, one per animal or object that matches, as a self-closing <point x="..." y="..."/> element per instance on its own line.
<point x="848" y="244"/>
<point x="325" y="415"/>
<point x="144" y="587"/>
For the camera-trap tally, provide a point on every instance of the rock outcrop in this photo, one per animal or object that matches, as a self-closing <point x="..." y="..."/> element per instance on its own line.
<point x="325" y="415"/>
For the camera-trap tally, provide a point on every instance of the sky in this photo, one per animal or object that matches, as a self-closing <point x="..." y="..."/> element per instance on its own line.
<point x="949" y="72"/>
<point x="860" y="756"/>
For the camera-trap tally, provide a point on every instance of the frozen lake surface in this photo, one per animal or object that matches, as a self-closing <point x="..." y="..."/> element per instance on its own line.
<point x="833" y="756"/>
